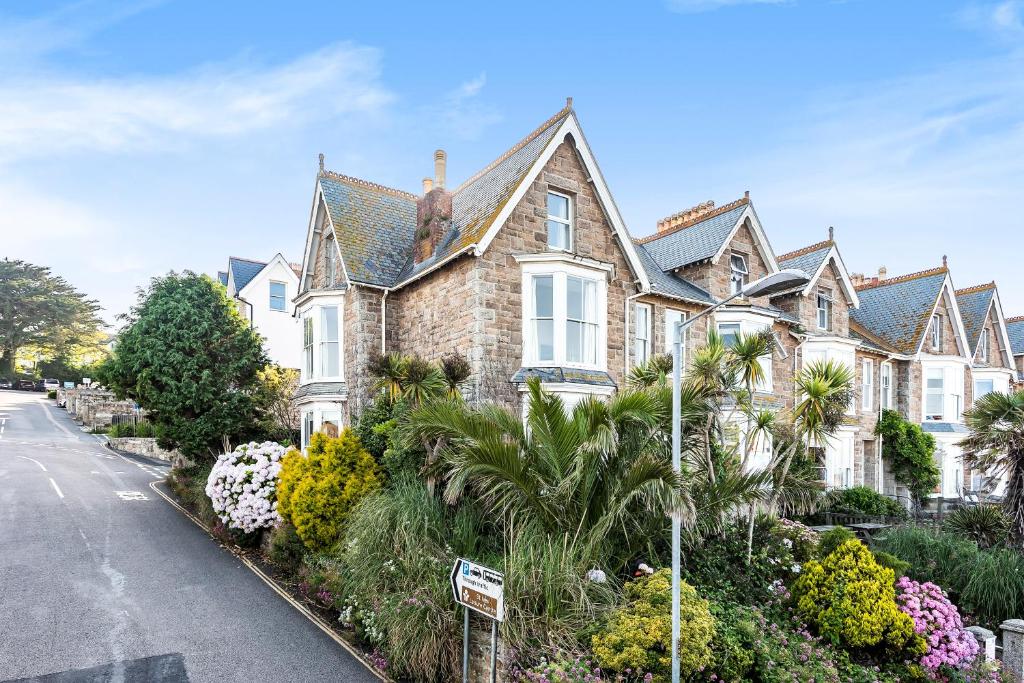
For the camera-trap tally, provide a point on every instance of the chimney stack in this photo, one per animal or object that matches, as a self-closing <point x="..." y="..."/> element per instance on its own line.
<point x="440" y="161"/>
<point x="428" y="185"/>
<point x="831" y="234"/>
<point x="882" y="272"/>
<point x="857" y="279"/>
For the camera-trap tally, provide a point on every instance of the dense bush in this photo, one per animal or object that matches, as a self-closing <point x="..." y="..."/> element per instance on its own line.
<point x="829" y="540"/>
<point x="910" y="451"/>
<point x="375" y="424"/>
<point x="286" y="549"/>
<point x="317" y="492"/>
<point x="142" y="430"/>
<point x="937" y="620"/>
<point x="986" y="525"/>
<point x="242" y="486"/>
<point x="801" y="540"/>
<point x="189" y="484"/>
<point x="850" y="600"/>
<point x="638" y="636"/>
<point x="51" y="394"/>
<point x="864" y="501"/>
<point x="987" y="584"/>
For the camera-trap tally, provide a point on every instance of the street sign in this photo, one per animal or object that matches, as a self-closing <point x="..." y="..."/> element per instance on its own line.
<point x="69" y="385"/>
<point x="479" y="588"/>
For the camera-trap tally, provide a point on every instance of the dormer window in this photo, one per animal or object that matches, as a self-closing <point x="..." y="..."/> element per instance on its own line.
<point x="738" y="279"/>
<point x="329" y="263"/>
<point x="559" y="221"/>
<point x="937" y="332"/>
<point x="983" y="347"/>
<point x="824" y="309"/>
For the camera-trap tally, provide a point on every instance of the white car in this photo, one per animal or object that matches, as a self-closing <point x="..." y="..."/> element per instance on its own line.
<point x="51" y="385"/>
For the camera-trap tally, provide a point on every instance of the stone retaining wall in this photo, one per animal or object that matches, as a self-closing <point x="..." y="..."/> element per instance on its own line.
<point x="145" y="446"/>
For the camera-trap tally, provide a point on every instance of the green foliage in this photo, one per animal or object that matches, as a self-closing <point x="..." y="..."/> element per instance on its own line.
<point x="141" y="430"/>
<point x="851" y="601"/>
<point x="189" y="484"/>
<point x="189" y="359"/>
<point x="638" y="636"/>
<point x="286" y="549"/>
<point x="898" y="566"/>
<point x="51" y="394"/>
<point x="456" y="371"/>
<point x="736" y="629"/>
<point x="909" y="450"/>
<point x="987" y="585"/>
<point x="316" y="493"/>
<point x="393" y="566"/>
<point x="802" y="541"/>
<point x="986" y="525"/>
<point x="996" y="444"/>
<point x="40" y="310"/>
<point x="375" y="425"/>
<point x="865" y="501"/>
<point x="829" y="540"/>
<point x="278" y="416"/>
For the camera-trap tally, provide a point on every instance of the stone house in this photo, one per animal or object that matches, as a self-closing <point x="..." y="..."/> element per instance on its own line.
<point x="1015" y="328"/>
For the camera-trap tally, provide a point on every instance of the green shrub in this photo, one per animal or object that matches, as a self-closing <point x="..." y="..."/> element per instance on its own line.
<point x="51" y="394"/>
<point x="851" y="601"/>
<point x="801" y="540"/>
<point x="910" y="452"/>
<point x="189" y="484"/>
<point x="736" y="630"/>
<point x="864" y="501"/>
<point x="829" y="540"/>
<point x="898" y="566"/>
<point x="638" y="636"/>
<point x="286" y="548"/>
<point x="986" y="525"/>
<point x="317" y="492"/>
<point x="374" y="426"/>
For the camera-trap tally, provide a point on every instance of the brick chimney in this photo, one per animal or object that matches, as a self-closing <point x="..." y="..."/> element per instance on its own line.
<point x="857" y="279"/>
<point x="686" y="215"/>
<point x="433" y="211"/>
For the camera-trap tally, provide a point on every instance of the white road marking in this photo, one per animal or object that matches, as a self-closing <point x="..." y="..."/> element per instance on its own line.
<point x="41" y="466"/>
<point x="56" y="488"/>
<point x="58" y="425"/>
<point x="131" y="495"/>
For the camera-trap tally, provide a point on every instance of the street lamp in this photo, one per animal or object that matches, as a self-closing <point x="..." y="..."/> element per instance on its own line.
<point x="781" y="281"/>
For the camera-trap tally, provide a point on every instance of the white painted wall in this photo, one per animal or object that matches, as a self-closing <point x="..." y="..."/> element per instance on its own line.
<point x="281" y="331"/>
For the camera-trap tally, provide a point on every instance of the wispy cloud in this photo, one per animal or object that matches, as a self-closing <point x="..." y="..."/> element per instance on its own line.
<point x="462" y="113"/>
<point x="47" y="111"/>
<point x="1003" y="20"/>
<point x="695" y="6"/>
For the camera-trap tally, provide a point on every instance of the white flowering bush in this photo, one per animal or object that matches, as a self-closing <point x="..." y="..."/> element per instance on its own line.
<point x="242" y="486"/>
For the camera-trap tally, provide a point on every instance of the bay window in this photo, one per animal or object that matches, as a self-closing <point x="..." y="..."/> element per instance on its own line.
<point x="982" y="387"/>
<point x="867" y="384"/>
<point x="330" y="365"/>
<point x="307" y="345"/>
<point x="642" y="337"/>
<point x="934" y="394"/>
<point x="564" y="312"/>
<point x="559" y="221"/>
<point x="730" y="333"/>
<point x="886" y="381"/>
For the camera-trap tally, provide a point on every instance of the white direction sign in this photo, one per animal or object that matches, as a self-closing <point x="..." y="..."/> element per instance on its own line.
<point x="479" y="588"/>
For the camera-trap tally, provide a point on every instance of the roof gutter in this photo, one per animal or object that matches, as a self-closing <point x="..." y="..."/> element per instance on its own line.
<point x="437" y="265"/>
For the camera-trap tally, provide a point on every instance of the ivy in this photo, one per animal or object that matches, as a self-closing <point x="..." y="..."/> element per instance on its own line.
<point x="909" y="450"/>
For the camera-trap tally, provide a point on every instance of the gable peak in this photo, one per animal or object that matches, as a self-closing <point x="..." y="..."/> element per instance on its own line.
<point x="976" y="288"/>
<point x="879" y="282"/>
<point x="829" y="243"/>
<point x="377" y="187"/>
<point x="692" y="216"/>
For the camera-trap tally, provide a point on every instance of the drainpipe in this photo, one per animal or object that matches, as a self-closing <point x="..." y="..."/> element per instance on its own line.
<point x="625" y="336"/>
<point x="384" y="321"/>
<point x="251" y="325"/>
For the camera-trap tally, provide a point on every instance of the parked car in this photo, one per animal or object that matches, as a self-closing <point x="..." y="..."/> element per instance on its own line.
<point x="26" y="385"/>
<point x="6" y="383"/>
<point x="51" y="385"/>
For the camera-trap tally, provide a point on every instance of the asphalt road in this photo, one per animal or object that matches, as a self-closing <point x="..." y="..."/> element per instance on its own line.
<point x="102" y="580"/>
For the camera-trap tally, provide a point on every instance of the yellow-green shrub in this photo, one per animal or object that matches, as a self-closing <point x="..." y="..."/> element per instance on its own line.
<point x="316" y="492"/>
<point x="850" y="600"/>
<point x="638" y="636"/>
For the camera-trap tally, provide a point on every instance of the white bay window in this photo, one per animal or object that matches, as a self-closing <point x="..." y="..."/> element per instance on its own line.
<point x="330" y="365"/>
<point x="934" y="402"/>
<point x="581" y="321"/>
<point x="748" y="325"/>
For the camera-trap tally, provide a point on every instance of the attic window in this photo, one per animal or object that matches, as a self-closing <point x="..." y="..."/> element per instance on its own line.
<point x="824" y="309"/>
<point x="738" y="279"/>
<point x="983" y="347"/>
<point x="559" y="221"/>
<point x="329" y="265"/>
<point x="937" y="331"/>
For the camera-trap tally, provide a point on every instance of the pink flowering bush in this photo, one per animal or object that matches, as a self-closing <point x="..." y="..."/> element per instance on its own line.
<point x="936" y="620"/>
<point x="242" y="486"/>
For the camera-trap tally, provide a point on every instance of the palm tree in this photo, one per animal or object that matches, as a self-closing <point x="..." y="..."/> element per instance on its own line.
<point x="996" y="445"/>
<point x="389" y="373"/>
<point x="422" y="381"/>
<point x="596" y="474"/>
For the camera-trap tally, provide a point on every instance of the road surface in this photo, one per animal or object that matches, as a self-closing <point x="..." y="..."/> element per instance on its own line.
<point x="102" y="580"/>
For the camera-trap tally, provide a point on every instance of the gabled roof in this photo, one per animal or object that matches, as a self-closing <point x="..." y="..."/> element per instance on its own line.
<point x="898" y="310"/>
<point x="975" y="303"/>
<point x="1015" y="327"/>
<point x="813" y="260"/>
<point x="222" y="276"/>
<point x="868" y="340"/>
<point x="373" y="226"/>
<point x="670" y="284"/>
<point x="697" y="240"/>
<point x="243" y="270"/>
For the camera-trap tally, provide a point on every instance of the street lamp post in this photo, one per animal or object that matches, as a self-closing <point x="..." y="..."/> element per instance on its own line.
<point x="770" y="284"/>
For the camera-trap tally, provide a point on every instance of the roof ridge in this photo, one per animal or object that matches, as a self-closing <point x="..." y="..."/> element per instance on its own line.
<point x="725" y="208"/>
<point x="368" y="184"/>
<point x="562" y="113"/>
<point x="248" y="260"/>
<point x="903" y="278"/>
<point x="1015" y="319"/>
<point x="805" y="250"/>
<point x="976" y="288"/>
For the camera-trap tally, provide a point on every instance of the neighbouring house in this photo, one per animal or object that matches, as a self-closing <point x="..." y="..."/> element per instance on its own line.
<point x="263" y="292"/>
<point x="1015" y="329"/>
<point x="527" y="269"/>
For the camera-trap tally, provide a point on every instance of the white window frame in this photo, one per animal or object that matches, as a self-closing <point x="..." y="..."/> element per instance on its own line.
<point x="867" y="384"/>
<point x="283" y="297"/>
<point x="330" y="262"/>
<point x="738" y="275"/>
<point x="588" y="321"/>
<point x="885" y="380"/>
<point x="641" y="334"/>
<point x="824" y="303"/>
<point x="989" y="380"/>
<point x="566" y="223"/>
<point x="936" y="332"/>
<point x="308" y="421"/>
<point x="326" y="343"/>
<point x="930" y="392"/>
<point x="673" y="315"/>
<point x="560" y="270"/>
<point x="748" y="326"/>
<point x="308" y="335"/>
<point x="983" y="346"/>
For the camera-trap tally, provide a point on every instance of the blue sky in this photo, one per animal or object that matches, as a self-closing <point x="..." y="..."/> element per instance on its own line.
<point x="141" y="137"/>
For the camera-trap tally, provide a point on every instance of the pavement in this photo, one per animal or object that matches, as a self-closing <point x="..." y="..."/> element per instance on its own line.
<point x="103" y="580"/>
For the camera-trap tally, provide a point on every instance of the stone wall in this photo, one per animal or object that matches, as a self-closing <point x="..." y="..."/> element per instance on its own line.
<point x="94" y="407"/>
<point x="362" y="330"/>
<point x="716" y="277"/>
<point x="143" y="446"/>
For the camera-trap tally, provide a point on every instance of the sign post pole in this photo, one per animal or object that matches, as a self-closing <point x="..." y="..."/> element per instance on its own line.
<point x="494" y="650"/>
<point x="465" y="645"/>
<point x="480" y="589"/>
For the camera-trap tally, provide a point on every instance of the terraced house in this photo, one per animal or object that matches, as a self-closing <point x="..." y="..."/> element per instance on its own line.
<point x="527" y="269"/>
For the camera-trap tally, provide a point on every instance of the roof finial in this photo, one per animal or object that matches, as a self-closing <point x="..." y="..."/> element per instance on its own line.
<point x="746" y="194"/>
<point x="943" y="260"/>
<point x="831" y="233"/>
<point x="321" y="162"/>
<point x="568" y="103"/>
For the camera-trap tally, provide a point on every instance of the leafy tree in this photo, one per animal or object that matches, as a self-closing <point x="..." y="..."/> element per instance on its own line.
<point x="280" y="416"/>
<point x="996" y="445"/>
<point x="42" y="310"/>
<point x="909" y="449"/>
<point x="190" y="359"/>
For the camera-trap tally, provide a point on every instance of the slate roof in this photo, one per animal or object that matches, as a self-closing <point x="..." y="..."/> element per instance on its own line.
<point x="568" y="375"/>
<point x="670" y="284"/>
<point x="222" y="276"/>
<point x="694" y="241"/>
<point x="943" y="427"/>
<point x="868" y="340"/>
<point x="243" y="271"/>
<point x="1015" y="328"/>
<point x="898" y="310"/>
<point x="373" y="225"/>
<point x="974" y="304"/>
<point x="322" y="389"/>
<point x="808" y="259"/>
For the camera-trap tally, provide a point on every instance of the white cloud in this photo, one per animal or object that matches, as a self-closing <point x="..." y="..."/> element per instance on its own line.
<point x="1003" y="19"/>
<point x="695" y="6"/>
<point x="43" y="111"/>
<point x="462" y="114"/>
